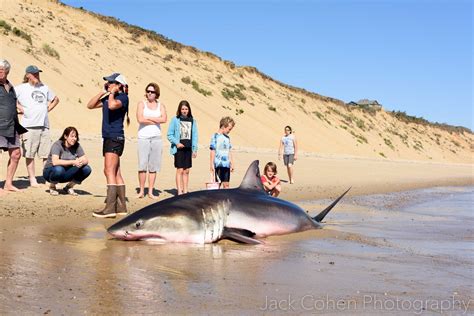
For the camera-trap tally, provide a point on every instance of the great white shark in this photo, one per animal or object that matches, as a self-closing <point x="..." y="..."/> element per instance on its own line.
<point x="244" y="214"/>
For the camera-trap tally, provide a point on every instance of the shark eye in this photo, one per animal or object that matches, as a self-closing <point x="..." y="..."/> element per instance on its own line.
<point x="139" y="224"/>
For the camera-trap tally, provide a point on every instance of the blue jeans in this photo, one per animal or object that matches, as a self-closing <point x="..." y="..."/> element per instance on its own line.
<point x="60" y="174"/>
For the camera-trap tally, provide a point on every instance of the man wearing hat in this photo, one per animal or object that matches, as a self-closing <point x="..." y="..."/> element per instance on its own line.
<point x="35" y="100"/>
<point x="10" y="128"/>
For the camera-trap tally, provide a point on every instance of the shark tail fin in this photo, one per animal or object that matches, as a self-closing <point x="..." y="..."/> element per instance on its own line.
<point x="318" y="218"/>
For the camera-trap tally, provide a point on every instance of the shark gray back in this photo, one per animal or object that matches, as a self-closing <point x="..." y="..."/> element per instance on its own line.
<point x="243" y="214"/>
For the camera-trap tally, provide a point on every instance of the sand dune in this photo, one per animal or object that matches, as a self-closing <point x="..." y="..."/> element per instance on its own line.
<point x="89" y="47"/>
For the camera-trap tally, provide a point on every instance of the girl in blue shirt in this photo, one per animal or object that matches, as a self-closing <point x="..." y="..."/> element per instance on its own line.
<point x="183" y="136"/>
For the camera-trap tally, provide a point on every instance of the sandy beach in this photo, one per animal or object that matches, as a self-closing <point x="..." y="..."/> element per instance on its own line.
<point x="376" y="253"/>
<point x="317" y="176"/>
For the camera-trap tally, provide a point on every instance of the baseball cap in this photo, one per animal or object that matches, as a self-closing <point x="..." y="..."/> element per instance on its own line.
<point x="116" y="77"/>
<point x="32" y="69"/>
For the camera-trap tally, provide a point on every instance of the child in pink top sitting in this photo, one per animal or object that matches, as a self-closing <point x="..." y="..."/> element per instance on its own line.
<point x="271" y="183"/>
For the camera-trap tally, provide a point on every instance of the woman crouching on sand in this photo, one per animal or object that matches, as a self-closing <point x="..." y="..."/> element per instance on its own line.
<point x="66" y="162"/>
<point x="183" y="136"/>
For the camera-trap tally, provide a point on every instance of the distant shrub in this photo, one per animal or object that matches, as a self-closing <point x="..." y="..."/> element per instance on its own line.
<point x="272" y="108"/>
<point x="256" y="90"/>
<point x="147" y="50"/>
<point x="402" y="116"/>
<point x="361" y="139"/>
<point x="234" y="93"/>
<point x="16" y="31"/>
<point x="239" y="111"/>
<point x="23" y="35"/>
<point x="199" y="89"/>
<point x="360" y="123"/>
<point x="186" y="80"/>
<point x="5" y="26"/>
<point x="168" y="57"/>
<point x="303" y="101"/>
<point x="319" y="115"/>
<point x="382" y="154"/>
<point x="240" y="86"/>
<point x="50" y="51"/>
<point x="227" y="93"/>
<point x="418" y="145"/>
<point x="388" y="142"/>
<point x="239" y="95"/>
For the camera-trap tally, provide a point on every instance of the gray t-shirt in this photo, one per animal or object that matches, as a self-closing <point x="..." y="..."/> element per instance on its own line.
<point x="63" y="153"/>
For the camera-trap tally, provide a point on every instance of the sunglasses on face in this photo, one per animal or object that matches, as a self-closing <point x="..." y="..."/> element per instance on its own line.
<point x="150" y="91"/>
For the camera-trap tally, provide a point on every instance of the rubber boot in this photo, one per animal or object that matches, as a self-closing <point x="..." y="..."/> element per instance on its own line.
<point x="110" y="203"/>
<point x="121" y="200"/>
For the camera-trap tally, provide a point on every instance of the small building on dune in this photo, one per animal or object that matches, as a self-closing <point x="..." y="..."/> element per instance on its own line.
<point x="366" y="103"/>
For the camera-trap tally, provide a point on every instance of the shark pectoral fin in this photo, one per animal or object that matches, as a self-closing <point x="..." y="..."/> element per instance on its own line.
<point x="240" y="235"/>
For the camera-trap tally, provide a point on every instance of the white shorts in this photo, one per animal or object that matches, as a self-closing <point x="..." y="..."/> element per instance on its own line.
<point x="150" y="151"/>
<point x="36" y="141"/>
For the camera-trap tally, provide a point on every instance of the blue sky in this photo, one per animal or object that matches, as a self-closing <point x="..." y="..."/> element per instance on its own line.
<point x="410" y="55"/>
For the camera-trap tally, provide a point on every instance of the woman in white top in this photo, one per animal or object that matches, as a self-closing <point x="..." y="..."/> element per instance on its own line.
<point x="150" y="114"/>
<point x="290" y="151"/>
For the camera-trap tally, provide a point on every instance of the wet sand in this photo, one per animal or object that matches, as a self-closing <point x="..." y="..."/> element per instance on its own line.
<point x="393" y="258"/>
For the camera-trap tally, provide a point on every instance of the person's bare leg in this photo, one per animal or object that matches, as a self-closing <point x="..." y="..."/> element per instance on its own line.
<point x="290" y="173"/>
<point x="111" y="165"/>
<point x="179" y="180"/>
<point x="276" y="191"/>
<point x="151" y="185"/>
<point x="15" y="155"/>
<point x="185" y="180"/>
<point x="141" y="183"/>
<point x="30" y="167"/>
<point x="118" y="176"/>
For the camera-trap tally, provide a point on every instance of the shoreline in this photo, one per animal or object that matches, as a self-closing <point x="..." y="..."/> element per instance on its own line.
<point x="316" y="177"/>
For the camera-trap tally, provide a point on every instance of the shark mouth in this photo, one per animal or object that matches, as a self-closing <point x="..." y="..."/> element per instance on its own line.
<point x="133" y="236"/>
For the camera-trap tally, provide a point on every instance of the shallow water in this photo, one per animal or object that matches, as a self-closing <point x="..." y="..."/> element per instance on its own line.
<point x="408" y="252"/>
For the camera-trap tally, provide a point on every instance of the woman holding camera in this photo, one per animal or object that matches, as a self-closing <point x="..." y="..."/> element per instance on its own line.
<point x="114" y="104"/>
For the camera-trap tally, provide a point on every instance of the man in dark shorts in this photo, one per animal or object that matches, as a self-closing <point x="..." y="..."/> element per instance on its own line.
<point x="10" y="128"/>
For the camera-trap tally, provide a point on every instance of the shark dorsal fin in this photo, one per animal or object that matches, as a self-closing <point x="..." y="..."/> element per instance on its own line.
<point x="251" y="179"/>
